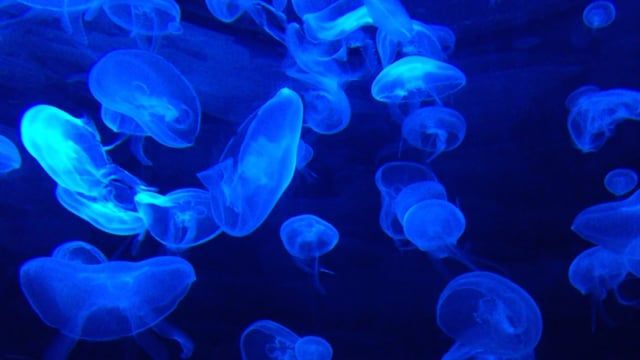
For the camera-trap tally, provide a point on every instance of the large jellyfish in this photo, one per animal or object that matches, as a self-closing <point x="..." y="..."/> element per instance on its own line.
<point x="257" y="166"/>
<point x="620" y="181"/>
<point x="86" y="297"/>
<point x="489" y="317"/>
<point x="180" y="219"/>
<point x="145" y="17"/>
<point x="265" y="339"/>
<point x="434" y="129"/>
<point x="599" y="14"/>
<point x="9" y="156"/>
<point x="306" y="238"/>
<point x="596" y="271"/>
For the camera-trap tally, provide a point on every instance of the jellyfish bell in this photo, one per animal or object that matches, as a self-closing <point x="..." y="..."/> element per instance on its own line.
<point x="415" y="193"/>
<point x="620" y="181"/>
<point x="597" y="271"/>
<point x="599" y="14"/>
<point x="79" y="252"/>
<point x="265" y="339"/>
<point x="434" y="129"/>
<point x="313" y="348"/>
<point x="228" y="10"/>
<point x="10" y="158"/>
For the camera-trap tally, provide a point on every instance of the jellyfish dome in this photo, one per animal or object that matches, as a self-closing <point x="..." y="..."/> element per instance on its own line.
<point x="416" y="193"/>
<point x="599" y="14"/>
<point x="145" y="17"/>
<point x="265" y="339"/>
<point x="10" y="158"/>
<point x="416" y="78"/>
<point x="621" y="181"/>
<point x="434" y="129"/>
<point x="313" y="348"/>
<point x="487" y="312"/>
<point x="79" y="252"/>
<point x="308" y="236"/>
<point x="596" y="271"/>
<point x="434" y="226"/>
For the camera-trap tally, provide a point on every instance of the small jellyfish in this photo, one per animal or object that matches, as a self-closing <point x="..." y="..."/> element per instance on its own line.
<point x="596" y="271"/>
<point x="86" y="297"/>
<point x="306" y="238"/>
<point x="266" y="339"/>
<point x="336" y="21"/>
<point x="313" y="348"/>
<point x="620" y="181"/>
<point x="305" y="154"/>
<point x="9" y="156"/>
<point x="434" y="129"/>
<point x="326" y="108"/>
<point x="599" y="14"/>
<point x="228" y="10"/>
<point x="145" y="17"/>
<point x="415" y="79"/>
<point x="489" y="315"/>
<point x="424" y="41"/>
<point x="181" y="219"/>
<point x="415" y="193"/>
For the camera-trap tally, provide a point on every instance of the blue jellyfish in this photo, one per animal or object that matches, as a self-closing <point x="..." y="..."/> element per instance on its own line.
<point x="306" y="238"/>
<point x="180" y="219"/>
<point x="416" y="193"/>
<point x="326" y="108"/>
<point x="305" y="154"/>
<point x="145" y="17"/>
<point x="620" y="181"/>
<point x="71" y="12"/>
<point x="337" y="20"/>
<point x="599" y="14"/>
<point x="124" y="124"/>
<point x="85" y="297"/>
<point x="391" y="18"/>
<point x="266" y="339"/>
<point x="434" y="129"/>
<point x="9" y="156"/>
<point x="415" y="79"/>
<point x="257" y="166"/>
<point x="228" y="10"/>
<point x="489" y="317"/>
<point x="270" y="19"/>
<point x="313" y="348"/>
<point x="596" y="271"/>
<point x="613" y="225"/>
<point x="150" y="90"/>
<point x="423" y="42"/>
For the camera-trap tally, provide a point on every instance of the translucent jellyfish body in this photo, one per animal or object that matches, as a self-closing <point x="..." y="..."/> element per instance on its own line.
<point x="596" y="271"/>
<point x="391" y="18"/>
<point x="180" y="219"/>
<point x="10" y="158"/>
<point x="416" y="193"/>
<point x="337" y="20"/>
<point x="147" y="88"/>
<point x="620" y="181"/>
<point x="145" y="17"/>
<point x="415" y="79"/>
<point x="434" y="129"/>
<point x="304" y="7"/>
<point x="426" y="40"/>
<point x="228" y="10"/>
<point x="304" y="156"/>
<point x="265" y="339"/>
<point x="599" y="14"/>
<point x="632" y="257"/>
<point x="257" y="166"/>
<point x="488" y="314"/>
<point x="326" y="108"/>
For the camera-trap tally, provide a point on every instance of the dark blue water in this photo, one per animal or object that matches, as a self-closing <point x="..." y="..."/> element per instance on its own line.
<point x="517" y="177"/>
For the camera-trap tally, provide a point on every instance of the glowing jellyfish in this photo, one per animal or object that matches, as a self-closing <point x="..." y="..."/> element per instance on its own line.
<point x="391" y="18"/>
<point x="257" y="166"/>
<point x="265" y="339"/>
<point x="337" y="20"/>
<point x="147" y="88"/>
<point x="415" y="79"/>
<point x="86" y="297"/>
<point x="596" y="271"/>
<point x="613" y="225"/>
<point x="71" y="11"/>
<point x="305" y="154"/>
<point x="488" y="314"/>
<point x="620" y="181"/>
<point x="145" y="17"/>
<point x="126" y="125"/>
<point x="595" y="114"/>
<point x="599" y="14"/>
<point x="228" y="10"/>
<point x="180" y="219"/>
<point x="423" y="42"/>
<point x="415" y="193"/>
<point x="9" y="156"/>
<point x="313" y="348"/>
<point x="270" y="19"/>
<point x="306" y="238"/>
<point x="326" y="108"/>
<point x="434" y="129"/>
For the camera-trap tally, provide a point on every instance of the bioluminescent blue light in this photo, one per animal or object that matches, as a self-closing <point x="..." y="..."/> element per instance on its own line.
<point x="121" y="123"/>
<point x="313" y="348"/>
<point x="599" y="14"/>
<point x="270" y="19"/>
<point x="228" y="10"/>
<point x="423" y="42"/>
<point x="10" y="158"/>
<point x="484" y="312"/>
<point x="620" y="181"/>
<point x="265" y="339"/>
<point x="79" y="252"/>
<point x="416" y="78"/>
<point x="145" y="17"/>
<point x="181" y="219"/>
<point x="613" y="225"/>
<point x="434" y="129"/>
<point x="391" y="18"/>
<point x="252" y="175"/>
<point x="147" y="88"/>
<point x="596" y="271"/>
<point x="337" y="20"/>
<point x="632" y="257"/>
<point x="304" y="156"/>
<point x="326" y="108"/>
<point x="415" y="193"/>
<point x="304" y="7"/>
<point x="595" y="114"/>
<point x="434" y="226"/>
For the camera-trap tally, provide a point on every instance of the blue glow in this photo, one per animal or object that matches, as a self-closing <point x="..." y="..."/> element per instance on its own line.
<point x="145" y="17"/>
<point x="61" y="5"/>
<point x="79" y="252"/>
<point x="599" y="14"/>
<point x="304" y="155"/>
<point x="10" y="158"/>
<point x="391" y="18"/>
<point x="416" y="193"/>
<point x="486" y="313"/>
<point x="119" y="122"/>
<point x="434" y="129"/>
<point x="596" y="271"/>
<point x="632" y="257"/>
<point x="620" y="181"/>
<point x="434" y="226"/>
<point x="228" y="10"/>
<point x="266" y="339"/>
<point x="313" y="348"/>
<point x="304" y="7"/>
<point x="423" y="42"/>
<point x="337" y="20"/>
<point x="326" y="108"/>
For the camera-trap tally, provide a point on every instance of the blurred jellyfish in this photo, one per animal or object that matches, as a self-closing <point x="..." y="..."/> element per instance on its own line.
<point x="86" y="297"/>
<point x="595" y="114"/>
<point x="596" y="271"/>
<point x="313" y="348"/>
<point x="228" y="10"/>
<point x="632" y="257"/>
<point x="434" y="129"/>
<point x="599" y="14"/>
<point x="257" y="165"/>
<point x="416" y="193"/>
<point x="489" y="317"/>
<point x="9" y="156"/>
<point x="180" y="219"/>
<point x="620" y="181"/>
<point x="306" y="238"/>
<point x="423" y="42"/>
<point x="265" y="339"/>
<point x="337" y="20"/>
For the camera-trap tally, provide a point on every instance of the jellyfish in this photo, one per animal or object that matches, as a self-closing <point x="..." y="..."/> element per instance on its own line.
<point x="270" y="19"/>
<point x="613" y="225"/>
<point x="434" y="129"/>
<point x="306" y="238"/>
<point x="305" y="154"/>
<point x="620" y="181"/>
<point x="145" y="17"/>
<point x="70" y="11"/>
<point x="423" y="42"/>
<point x="488" y="315"/>
<point x="391" y="18"/>
<point x="266" y="339"/>
<point x="228" y="10"/>
<point x="313" y="348"/>
<point x="257" y="166"/>
<point x="124" y="124"/>
<point x="337" y="20"/>
<point x="148" y="89"/>
<point x="179" y="220"/>
<point x="327" y="109"/>
<point x="9" y="156"/>
<point x="86" y="297"/>
<point x="415" y="193"/>
<point x="599" y="14"/>
<point x="597" y="271"/>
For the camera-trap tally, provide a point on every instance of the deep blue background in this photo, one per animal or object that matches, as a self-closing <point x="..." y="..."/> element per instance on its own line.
<point x="517" y="178"/>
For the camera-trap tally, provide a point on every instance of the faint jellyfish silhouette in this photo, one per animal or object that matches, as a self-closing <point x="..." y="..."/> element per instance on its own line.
<point x="257" y="165"/>
<point x="596" y="271"/>
<point x="305" y="154"/>
<point x="632" y="257"/>
<point x="423" y="42"/>
<point x="179" y="220"/>
<point x="434" y="129"/>
<point x="415" y="193"/>
<point x="620" y="181"/>
<point x="10" y="158"/>
<point x="85" y="297"/>
<point x="391" y="18"/>
<point x="599" y="14"/>
<point x="313" y="348"/>
<point x="337" y="20"/>
<point x="228" y="10"/>
<point x="271" y="20"/>
<point x="71" y="13"/>
<point x="265" y="339"/>
<point x="488" y="316"/>
<point x="306" y="238"/>
<point x="327" y="109"/>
